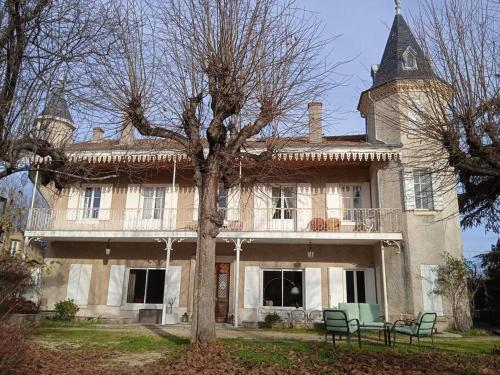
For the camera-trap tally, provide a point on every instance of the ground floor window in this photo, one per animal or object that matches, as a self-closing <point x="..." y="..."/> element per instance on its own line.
<point x="355" y="286"/>
<point x="282" y="288"/>
<point x="145" y="286"/>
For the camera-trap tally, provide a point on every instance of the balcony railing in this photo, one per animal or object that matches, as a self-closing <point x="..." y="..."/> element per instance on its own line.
<point x="251" y="220"/>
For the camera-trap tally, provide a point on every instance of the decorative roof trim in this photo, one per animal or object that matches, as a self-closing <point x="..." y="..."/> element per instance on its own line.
<point x="326" y="154"/>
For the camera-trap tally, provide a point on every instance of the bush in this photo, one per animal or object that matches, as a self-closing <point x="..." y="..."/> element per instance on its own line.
<point x="66" y="310"/>
<point x="13" y="348"/>
<point x="272" y="319"/>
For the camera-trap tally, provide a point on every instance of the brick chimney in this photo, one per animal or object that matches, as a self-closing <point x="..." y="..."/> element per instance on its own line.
<point x="315" y="122"/>
<point x="97" y="134"/>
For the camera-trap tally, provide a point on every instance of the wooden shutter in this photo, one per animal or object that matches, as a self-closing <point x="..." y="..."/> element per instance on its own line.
<point x="132" y="206"/>
<point x="79" y="283"/>
<point x="115" y="285"/>
<point x="251" y="293"/>
<point x="313" y="295"/>
<point x="261" y="215"/>
<point x="105" y="207"/>
<point x="409" y="189"/>
<point x="336" y="285"/>
<point x="437" y="193"/>
<point x="170" y="207"/>
<point x="304" y="206"/>
<point x="432" y="302"/>
<point x="370" y="290"/>
<point x="73" y="199"/>
<point x="333" y="201"/>
<point x="196" y="203"/>
<point x="173" y="287"/>
<point x="233" y="203"/>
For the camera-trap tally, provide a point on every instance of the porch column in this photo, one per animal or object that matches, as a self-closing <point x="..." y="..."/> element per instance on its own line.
<point x="384" y="282"/>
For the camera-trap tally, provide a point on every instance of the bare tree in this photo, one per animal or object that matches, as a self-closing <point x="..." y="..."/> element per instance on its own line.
<point x="208" y="75"/>
<point x="40" y="41"/>
<point x="457" y="112"/>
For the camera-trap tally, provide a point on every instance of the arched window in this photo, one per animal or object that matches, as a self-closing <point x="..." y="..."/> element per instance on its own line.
<point x="409" y="59"/>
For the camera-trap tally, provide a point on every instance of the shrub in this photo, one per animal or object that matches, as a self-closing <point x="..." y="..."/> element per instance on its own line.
<point x="66" y="310"/>
<point x="13" y="348"/>
<point x="272" y="319"/>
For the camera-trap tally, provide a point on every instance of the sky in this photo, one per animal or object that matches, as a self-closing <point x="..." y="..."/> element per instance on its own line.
<point x="363" y="28"/>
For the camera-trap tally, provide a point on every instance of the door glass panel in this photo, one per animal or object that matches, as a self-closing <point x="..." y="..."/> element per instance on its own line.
<point x="292" y="288"/>
<point x="272" y="288"/>
<point x="360" y="286"/>
<point x="349" y="277"/>
<point x="136" y="286"/>
<point x="156" y="283"/>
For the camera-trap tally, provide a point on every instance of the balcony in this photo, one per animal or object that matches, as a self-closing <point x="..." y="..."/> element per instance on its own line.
<point x="321" y="221"/>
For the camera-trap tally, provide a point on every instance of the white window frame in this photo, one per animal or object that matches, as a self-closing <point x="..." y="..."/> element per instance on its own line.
<point x="347" y="219"/>
<point x="421" y="172"/>
<point x="137" y="306"/>
<point x="291" y="221"/>
<point x="355" y="270"/>
<point x="226" y="200"/>
<point x="92" y="209"/>
<point x="14" y="249"/>
<point x="154" y="197"/>
<point x="409" y="52"/>
<point x="302" y="270"/>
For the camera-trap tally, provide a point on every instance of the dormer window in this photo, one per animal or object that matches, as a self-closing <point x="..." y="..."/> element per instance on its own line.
<point x="409" y="59"/>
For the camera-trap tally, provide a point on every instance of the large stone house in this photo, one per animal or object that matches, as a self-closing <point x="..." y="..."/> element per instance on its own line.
<point x="356" y="224"/>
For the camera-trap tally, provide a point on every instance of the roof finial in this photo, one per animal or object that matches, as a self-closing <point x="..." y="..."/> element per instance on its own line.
<point x="398" y="6"/>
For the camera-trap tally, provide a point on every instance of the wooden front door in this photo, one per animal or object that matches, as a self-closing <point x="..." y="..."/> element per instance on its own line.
<point x="221" y="292"/>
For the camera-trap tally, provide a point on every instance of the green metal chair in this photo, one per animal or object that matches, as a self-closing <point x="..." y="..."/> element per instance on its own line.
<point x="337" y="323"/>
<point x="423" y="326"/>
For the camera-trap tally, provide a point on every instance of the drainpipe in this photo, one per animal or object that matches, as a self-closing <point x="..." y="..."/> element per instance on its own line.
<point x="237" y="248"/>
<point x="168" y="248"/>
<point x="374" y="115"/>
<point x="172" y="195"/>
<point x="30" y="213"/>
<point x="384" y="282"/>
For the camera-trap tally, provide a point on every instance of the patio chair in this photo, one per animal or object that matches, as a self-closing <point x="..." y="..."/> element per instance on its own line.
<point x="423" y="326"/>
<point x="336" y="323"/>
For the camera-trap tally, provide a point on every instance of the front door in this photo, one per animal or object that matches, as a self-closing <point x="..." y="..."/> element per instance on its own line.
<point x="221" y="292"/>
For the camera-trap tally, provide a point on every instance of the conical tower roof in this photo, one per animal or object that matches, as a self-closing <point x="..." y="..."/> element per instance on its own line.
<point x="402" y="43"/>
<point x="57" y="105"/>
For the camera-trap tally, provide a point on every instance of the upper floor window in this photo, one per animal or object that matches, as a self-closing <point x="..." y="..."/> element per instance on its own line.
<point x="351" y="199"/>
<point x="92" y="202"/>
<point x="154" y="202"/>
<point x="423" y="190"/>
<point x="223" y="201"/>
<point x="14" y="246"/>
<point x="284" y="201"/>
<point x="409" y="59"/>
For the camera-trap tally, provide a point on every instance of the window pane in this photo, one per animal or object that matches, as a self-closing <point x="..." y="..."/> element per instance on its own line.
<point x="276" y="201"/>
<point x="349" y="277"/>
<point x="356" y="197"/>
<point x="223" y="194"/>
<point x="292" y="288"/>
<point x="156" y="283"/>
<point x="360" y="284"/>
<point x="136" y="286"/>
<point x="272" y="288"/>
<point x="159" y="202"/>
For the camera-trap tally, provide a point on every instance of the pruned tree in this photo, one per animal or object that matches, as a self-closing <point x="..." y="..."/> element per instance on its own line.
<point x="455" y="110"/>
<point x="40" y="41"/>
<point x="208" y="75"/>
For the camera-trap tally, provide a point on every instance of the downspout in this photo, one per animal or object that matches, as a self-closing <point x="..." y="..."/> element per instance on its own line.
<point x="30" y="213"/>
<point x="374" y="115"/>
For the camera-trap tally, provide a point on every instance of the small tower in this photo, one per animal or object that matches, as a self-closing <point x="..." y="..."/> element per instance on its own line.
<point x="55" y="122"/>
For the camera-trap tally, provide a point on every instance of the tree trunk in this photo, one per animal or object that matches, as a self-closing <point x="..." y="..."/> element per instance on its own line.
<point x="203" y="323"/>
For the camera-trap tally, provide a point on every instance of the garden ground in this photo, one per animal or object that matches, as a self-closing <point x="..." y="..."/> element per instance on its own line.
<point x="86" y="348"/>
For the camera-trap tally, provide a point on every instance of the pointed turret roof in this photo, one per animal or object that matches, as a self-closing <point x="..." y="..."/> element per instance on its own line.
<point x="400" y="44"/>
<point x="56" y="105"/>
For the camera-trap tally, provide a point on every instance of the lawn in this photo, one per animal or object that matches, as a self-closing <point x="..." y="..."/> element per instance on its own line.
<point x="90" y="349"/>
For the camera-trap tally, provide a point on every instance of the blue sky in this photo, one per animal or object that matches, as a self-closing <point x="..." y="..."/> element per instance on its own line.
<point x="363" y="28"/>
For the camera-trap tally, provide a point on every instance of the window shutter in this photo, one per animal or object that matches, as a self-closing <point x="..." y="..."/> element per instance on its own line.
<point x="304" y="206"/>
<point x="333" y="201"/>
<point x="170" y="207"/>
<point x="173" y="287"/>
<point x="409" y="189"/>
<point x="233" y="203"/>
<point x="370" y="292"/>
<point x="105" y="208"/>
<point x="132" y="206"/>
<point x="84" y="284"/>
<point x="261" y="214"/>
<point x="251" y="294"/>
<point x="196" y="203"/>
<point x="432" y="302"/>
<point x="115" y="286"/>
<point x="336" y="285"/>
<point x="73" y="280"/>
<point x="313" y="296"/>
<point x="437" y="193"/>
<point x="73" y="199"/>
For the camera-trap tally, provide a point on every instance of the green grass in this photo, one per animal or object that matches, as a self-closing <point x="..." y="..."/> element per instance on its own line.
<point x="476" y="331"/>
<point x="87" y="323"/>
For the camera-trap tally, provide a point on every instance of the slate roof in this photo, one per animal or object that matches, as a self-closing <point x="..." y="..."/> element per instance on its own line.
<point x="56" y="105"/>
<point x="391" y="66"/>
